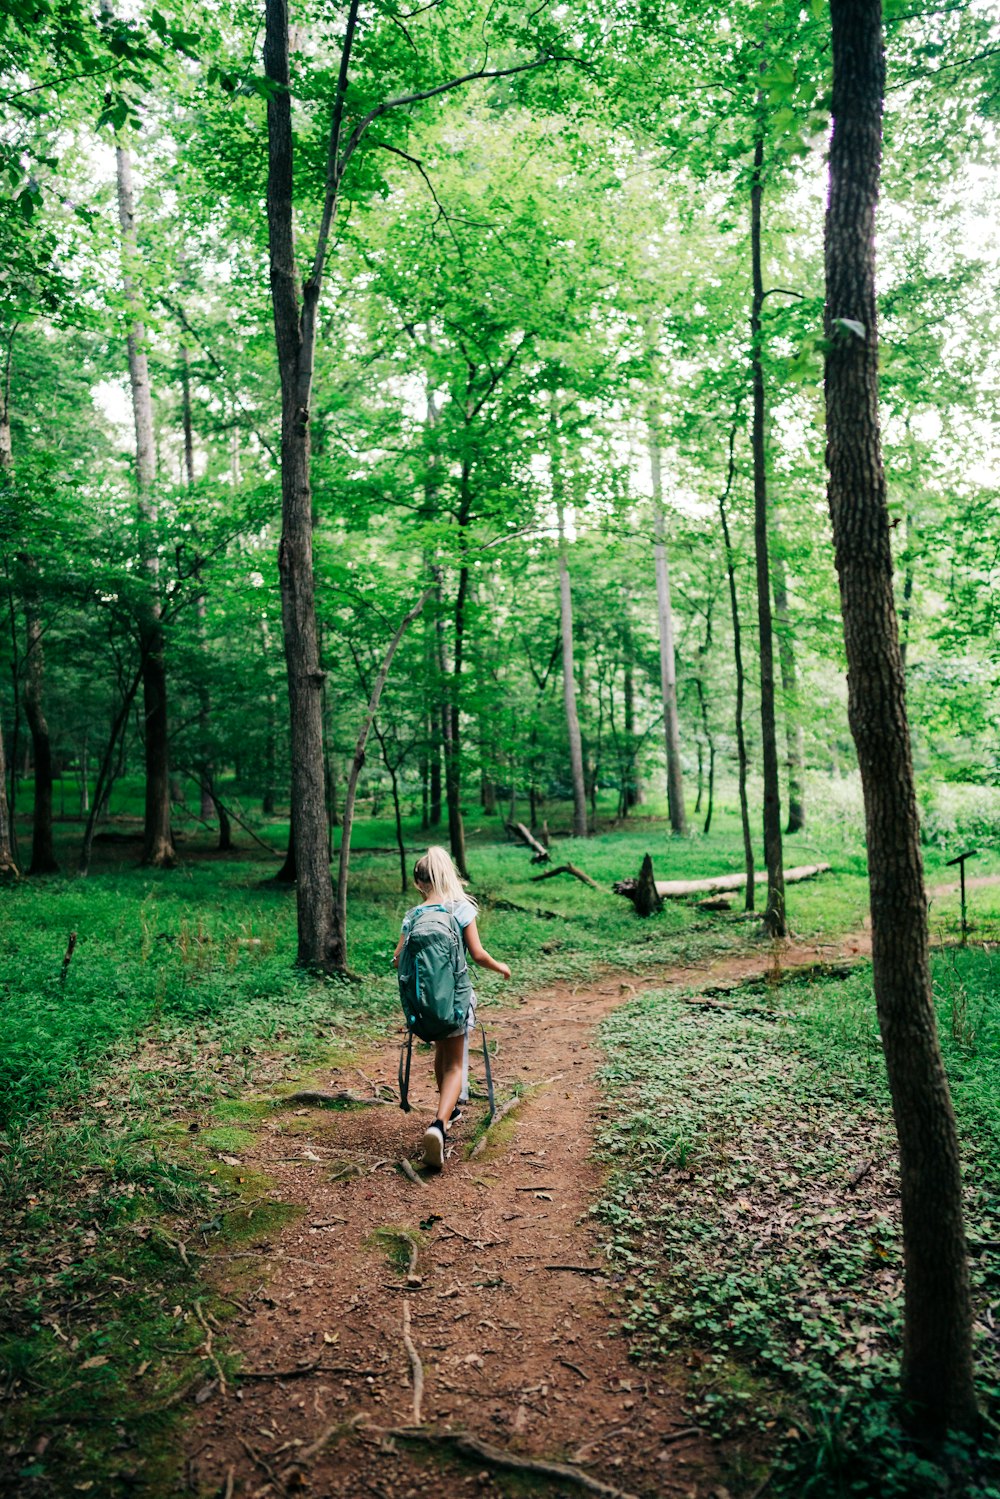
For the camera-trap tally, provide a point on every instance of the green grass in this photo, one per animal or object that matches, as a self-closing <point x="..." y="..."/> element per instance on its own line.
<point x="182" y="1018"/>
<point x="734" y="1131"/>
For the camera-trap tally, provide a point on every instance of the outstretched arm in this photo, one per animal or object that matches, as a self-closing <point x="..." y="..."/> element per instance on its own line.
<point x="478" y="953"/>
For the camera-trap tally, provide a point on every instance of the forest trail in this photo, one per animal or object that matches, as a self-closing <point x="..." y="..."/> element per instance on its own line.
<point x="514" y="1350"/>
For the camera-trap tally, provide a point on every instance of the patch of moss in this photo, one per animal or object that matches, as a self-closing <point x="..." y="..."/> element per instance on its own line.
<point x="397" y="1244"/>
<point x="258" y="1220"/>
<point x="227" y="1137"/>
<point x="243" y="1109"/>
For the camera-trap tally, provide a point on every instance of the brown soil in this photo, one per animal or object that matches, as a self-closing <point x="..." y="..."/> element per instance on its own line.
<point x="524" y="1354"/>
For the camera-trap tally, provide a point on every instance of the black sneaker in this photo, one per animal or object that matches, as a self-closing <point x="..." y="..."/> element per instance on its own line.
<point x="456" y="1114"/>
<point x="434" y="1145"/>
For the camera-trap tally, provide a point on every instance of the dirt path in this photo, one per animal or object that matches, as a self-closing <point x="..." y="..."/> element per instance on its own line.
<point x="521" y="1353"/>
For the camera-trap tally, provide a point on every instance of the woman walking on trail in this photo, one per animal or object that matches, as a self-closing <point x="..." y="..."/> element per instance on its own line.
<point x="437" y="879"/>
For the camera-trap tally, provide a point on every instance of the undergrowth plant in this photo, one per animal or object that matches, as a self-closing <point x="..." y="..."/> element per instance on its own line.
<point x="753" y="1208"/>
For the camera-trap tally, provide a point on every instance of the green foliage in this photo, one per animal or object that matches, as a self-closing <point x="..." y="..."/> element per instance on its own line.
<point x="755" y="1219"/>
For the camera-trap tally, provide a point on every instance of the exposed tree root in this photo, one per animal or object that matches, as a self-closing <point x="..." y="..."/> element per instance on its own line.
<point x="497" y="1457"/>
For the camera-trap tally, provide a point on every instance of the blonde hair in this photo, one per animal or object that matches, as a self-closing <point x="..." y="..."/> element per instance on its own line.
<point x="435" y="872"/>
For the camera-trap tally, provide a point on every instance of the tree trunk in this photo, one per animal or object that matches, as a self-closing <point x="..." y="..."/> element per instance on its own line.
<point x="937" y="1380"/>
<point x="774" y="912"/>
<point x="668" y="664"/>
<point x="320" y="943"/>
<point x="741" y="743"/>
<point x="158" y="847"/>
<point x="569" y="686"/>
<point x="790" y="692"/>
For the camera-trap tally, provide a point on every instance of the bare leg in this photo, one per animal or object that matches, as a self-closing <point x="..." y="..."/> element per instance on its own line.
<point x="463" y="1096"/>
<point x="448" y="1073"/>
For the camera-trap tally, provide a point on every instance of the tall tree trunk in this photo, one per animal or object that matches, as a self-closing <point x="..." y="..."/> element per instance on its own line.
<point x="668" y="662"/>
<point x="790" y="691"/>
<point x="320" y="936"/>
<point x="741" y="743"/>
<point x="158" y="847"/>
<point x="774" y="914"/>
<point x="569" y="683"/>
<point x="937" y="1357"/>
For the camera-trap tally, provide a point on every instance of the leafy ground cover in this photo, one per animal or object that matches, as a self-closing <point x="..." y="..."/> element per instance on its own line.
<point x="753" y="1205"/>
<point x="123" y="1086"/>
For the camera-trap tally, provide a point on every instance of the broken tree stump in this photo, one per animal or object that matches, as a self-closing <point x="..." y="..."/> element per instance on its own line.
<point x="647" y="899"/>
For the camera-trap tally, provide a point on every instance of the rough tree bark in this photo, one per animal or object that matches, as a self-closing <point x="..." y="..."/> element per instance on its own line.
<point x="774" y="912"/>
<point x="668" y="661"/>
<point x="741" y="743"/>
<point x="937" y="1380"/>
<point x="158" y="847"/>
<point x="319" y="943"/>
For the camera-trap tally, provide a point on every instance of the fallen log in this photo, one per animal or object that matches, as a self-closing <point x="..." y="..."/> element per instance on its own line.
<point x="539" y="850"/>
<point x="673" y="888"/>
<point x="577" y="874"/>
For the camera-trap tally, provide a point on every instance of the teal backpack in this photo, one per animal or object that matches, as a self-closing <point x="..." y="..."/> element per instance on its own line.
<point x="435" y="989"/>
<point x="434" y="985"/>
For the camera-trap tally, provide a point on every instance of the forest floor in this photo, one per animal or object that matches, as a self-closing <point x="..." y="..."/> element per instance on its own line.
<point x="177" y="1235"/>
<point x="513" y="1313"/>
